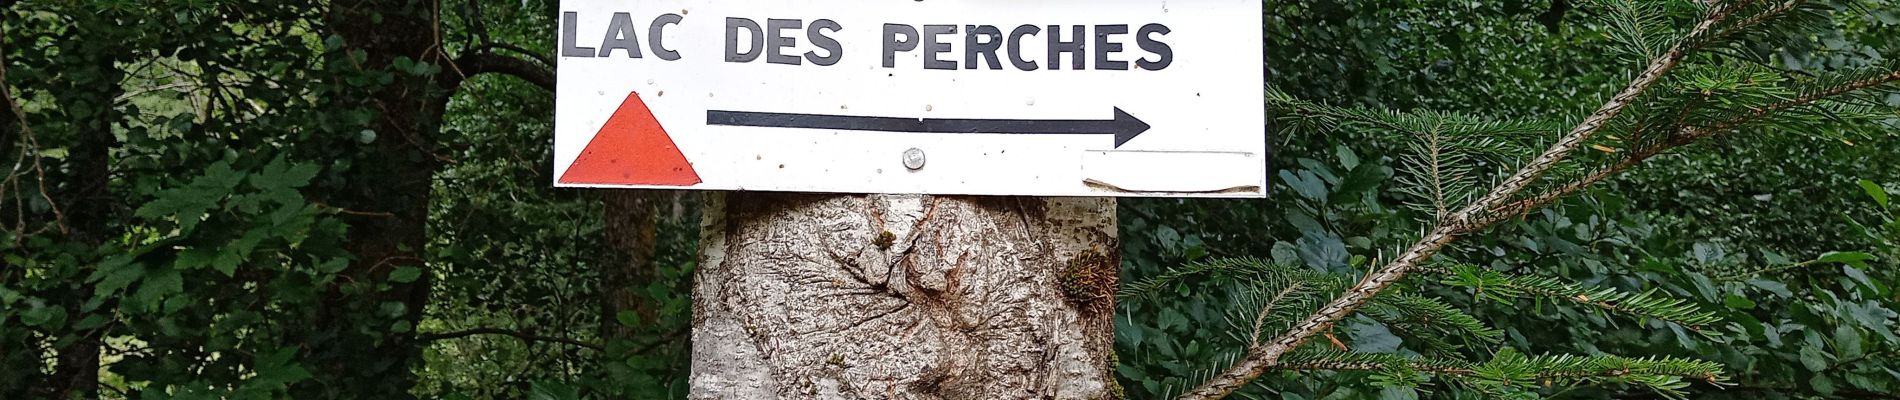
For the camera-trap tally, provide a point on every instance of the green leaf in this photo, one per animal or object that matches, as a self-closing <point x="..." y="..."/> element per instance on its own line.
<point x="91" y="321"/>
<point x="277" y="369"/>
<point x="1305" y="183"/>
<point x="1875" y="191"/>
<point x="1778" y="288"/>
<point x="392" y="309"/>
<point x="190" y="204"/>
<point x="41" y="315"/>
<point x="1709" y="253"/>
<point x="1322" y="251"/>
<point x="1360" y="180"/>
<point x="1812" y="358"/>
<point x="405" y="274"/>
<point x="1822" y="384"/>
<point x="628" y="318"/>
<point x="1303" y="221"/>
<point x="1171" y="318"/>
<point x="281" y="174"/>
<point x="115" y="276"/>
<point x="1285" y="253"/>
<point x="334" y="265"/>
<point x="1374" y="337"/>
<point x="158" y="284"/>
<point x="1703" y="286"/>
<point x="1859" y="277"/>
<point x="227" y="264"/>
<point x="1849" y="257"/>
<point x="195" y="257"/>
<point x="1168" y="238"/>
<point x="1847" y="342"/>
<point x="1347" y="158"/>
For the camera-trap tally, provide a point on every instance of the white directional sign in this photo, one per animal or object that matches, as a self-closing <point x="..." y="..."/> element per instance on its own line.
<point x="985" y="97"/>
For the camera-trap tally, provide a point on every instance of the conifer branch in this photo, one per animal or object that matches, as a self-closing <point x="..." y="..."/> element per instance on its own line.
<point x="1805" y="99"/>
<point x="1661" y="374"/>
<point x="1253" y="338"/>
<point x="1595" y="122"/>
<point x="1685" y="135"/>
<point x="1576" y="372"/>
<point x="1436" y="172"/>
<point x="1521" y="207"/>
<point x="1336" y="360"/>
<point x="1773" y="11"/>
<point x="1498" y="286"/>
<point x="1261" y="358"/>
<point x="1430" y="321"/>
<point x="1509" y="368"/>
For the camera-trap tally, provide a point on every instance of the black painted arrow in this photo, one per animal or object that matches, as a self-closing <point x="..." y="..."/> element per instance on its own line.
<point x="1125" y="127"/>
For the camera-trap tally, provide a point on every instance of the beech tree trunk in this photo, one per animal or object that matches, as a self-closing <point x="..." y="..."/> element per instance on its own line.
<point x="905" y="296"/>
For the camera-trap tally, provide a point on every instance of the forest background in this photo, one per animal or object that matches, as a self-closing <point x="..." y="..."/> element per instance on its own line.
<point x="194" y="182"/>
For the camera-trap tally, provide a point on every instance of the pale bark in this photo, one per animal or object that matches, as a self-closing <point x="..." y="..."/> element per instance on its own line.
<point x="904" y="296"/>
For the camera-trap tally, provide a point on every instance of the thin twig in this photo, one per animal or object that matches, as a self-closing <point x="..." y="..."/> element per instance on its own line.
<point x="31" y="147"/>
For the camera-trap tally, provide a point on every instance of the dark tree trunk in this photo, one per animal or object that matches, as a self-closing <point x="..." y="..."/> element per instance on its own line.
<point x="392" y="180"/>
<point x="632" y="222"/>
<point x="88" y="208"/>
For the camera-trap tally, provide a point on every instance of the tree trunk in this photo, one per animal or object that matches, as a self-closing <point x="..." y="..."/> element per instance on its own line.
<point x="88" y="208"/>
<point x="631" y="227"/>
<point x="354" y="350"/>
<point x="905" y="296"/>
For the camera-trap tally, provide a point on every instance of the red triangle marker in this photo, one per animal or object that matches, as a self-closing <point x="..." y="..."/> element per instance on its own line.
<point x="631" y="149"/>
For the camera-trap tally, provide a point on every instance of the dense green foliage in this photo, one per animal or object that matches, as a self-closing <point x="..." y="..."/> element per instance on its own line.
<point x="269" y="199"/>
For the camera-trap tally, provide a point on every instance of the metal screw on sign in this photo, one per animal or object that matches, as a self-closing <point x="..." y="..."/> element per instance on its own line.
<point x="914" y="159"/>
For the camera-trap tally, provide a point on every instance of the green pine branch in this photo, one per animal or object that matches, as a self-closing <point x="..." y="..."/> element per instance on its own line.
<point x="1710" y="102"/>
<point x="1431" y="322"/>
<point x="1512" y="370"/>
<point x="1327" y="359"/>
<point x="1638" y="28"/>
<point x="1447" y="152"/>
<point x="1664" y="375"/>
<point x="1268" y="297"/>
<point x="1497" y="286"/>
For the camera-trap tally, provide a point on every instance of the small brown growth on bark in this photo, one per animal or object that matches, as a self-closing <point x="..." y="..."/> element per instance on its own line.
<point x="885" y="240"/>
<point x="1090" y="280"/>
